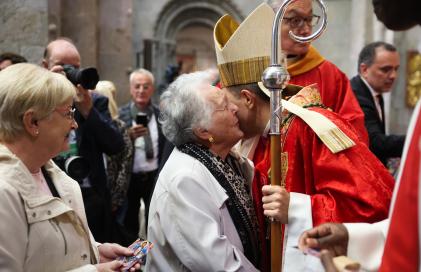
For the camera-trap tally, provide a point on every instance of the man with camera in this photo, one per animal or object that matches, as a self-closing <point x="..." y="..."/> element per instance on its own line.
<point x="141" y="118"/>
<point x="94" y="136"/>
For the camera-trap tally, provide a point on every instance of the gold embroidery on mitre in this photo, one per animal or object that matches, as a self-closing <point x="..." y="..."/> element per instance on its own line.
<point x="243" y="71"/>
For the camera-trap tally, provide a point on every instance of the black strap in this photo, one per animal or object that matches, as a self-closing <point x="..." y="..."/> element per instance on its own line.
<point x="50" y="183"/>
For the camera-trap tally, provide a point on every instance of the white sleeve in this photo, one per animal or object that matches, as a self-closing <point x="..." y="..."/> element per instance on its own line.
<point x="194" y="228"/>
<point x="299" y="219"/>
<point x="366" y="243"/>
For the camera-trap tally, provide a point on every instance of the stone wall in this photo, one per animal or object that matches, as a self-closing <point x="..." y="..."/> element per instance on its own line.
<point x="111" y="35"/>
<point x="24" y="28"/>
<point x="101" y="30"/>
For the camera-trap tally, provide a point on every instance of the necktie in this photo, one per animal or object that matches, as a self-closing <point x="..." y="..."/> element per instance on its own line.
<point x="381" y="102"/>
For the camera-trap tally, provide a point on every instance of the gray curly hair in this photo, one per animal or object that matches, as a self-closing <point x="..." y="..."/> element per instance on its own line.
<point x="184" y="108"/>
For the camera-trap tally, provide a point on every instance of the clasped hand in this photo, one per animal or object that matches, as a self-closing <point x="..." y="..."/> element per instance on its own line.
<point x="275" y="203"/>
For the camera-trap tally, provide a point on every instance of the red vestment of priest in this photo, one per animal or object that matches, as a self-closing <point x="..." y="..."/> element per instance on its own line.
<point x="402" y="248"/>
<point x="349" y="186"/>
<point x="335" y="88"/>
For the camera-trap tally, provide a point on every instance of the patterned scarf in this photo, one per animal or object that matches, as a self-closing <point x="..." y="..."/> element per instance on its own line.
<point x="239" y="203"/>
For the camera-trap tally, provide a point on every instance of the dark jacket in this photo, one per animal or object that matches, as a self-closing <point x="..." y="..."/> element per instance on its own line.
<point x="97" y="135"/>
<point x="382" y="145"/>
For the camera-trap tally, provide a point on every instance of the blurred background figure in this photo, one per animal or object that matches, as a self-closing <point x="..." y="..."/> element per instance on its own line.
<point x="44" y="223"/>
<point x="171" y="73"/>
<point x="9" y="58"/>
<point x="118" y="165"/>
<point x="141" y="120"/>
<point x="378" y="65"/>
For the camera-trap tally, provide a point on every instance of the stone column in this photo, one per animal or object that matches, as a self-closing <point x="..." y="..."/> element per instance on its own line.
<point x="358" y="30"/>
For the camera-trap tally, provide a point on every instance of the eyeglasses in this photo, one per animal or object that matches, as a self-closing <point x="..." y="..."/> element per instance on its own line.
<point x="221" y="109"/>
<point x="298" y="22"/>
<point x="70" y="114"/>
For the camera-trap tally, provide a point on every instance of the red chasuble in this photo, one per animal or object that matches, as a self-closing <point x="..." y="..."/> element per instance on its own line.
<point x="333" y="85"/>
<point x="349" y="186"/>
<point x="402" y="243"/>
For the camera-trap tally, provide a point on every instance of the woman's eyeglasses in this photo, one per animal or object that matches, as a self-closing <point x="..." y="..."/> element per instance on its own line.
<point x="70" y="114"/>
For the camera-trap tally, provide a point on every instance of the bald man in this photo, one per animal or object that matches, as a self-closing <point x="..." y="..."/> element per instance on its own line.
<point x="94" y="136"/>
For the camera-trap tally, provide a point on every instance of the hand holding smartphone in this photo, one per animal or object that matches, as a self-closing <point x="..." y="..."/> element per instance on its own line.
<point x="140" y="249"/>
<point x="142" y="119"/>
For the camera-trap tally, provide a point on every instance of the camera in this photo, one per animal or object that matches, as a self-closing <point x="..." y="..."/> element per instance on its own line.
<point x="76" y="167"/>
<point x="87" y="77"/>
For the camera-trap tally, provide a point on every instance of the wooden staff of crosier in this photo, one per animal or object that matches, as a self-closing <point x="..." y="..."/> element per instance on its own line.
<point x="275" y="78"/>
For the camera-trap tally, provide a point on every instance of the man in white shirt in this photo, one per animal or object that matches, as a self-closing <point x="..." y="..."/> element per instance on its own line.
<point x="141" y="118"/>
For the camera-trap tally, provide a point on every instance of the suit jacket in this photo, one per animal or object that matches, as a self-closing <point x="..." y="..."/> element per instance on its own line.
<point x="97" y="135"/>
<point x="126" y="116"/>
<point x="382" y="145"/>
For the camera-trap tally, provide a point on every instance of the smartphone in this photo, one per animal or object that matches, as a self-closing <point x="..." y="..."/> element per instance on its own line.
<point x="140" y="249"/>
<point x="142" y="119"/>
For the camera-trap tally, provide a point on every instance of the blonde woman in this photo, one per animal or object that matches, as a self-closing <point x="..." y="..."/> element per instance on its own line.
<point x="44" y="226"/>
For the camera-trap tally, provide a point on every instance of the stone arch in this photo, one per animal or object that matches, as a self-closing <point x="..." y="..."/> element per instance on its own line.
<point x="177" y="15"/>
<point x="180" y="13"/>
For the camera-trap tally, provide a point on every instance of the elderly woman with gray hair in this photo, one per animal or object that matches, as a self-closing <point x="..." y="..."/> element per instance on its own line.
<point x="44" y="225"/>
<point x="201" y="215"/>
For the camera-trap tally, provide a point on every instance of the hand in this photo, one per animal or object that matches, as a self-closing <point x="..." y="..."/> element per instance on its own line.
<point x="109" y="266"/>
<point x="58" y="69"/>
<point x="137" y="131"/>
<point x="331" y="236"/>
<point x="109" y="252"/>
<point x="275" y="203"/>
<point x="327" y="260"/>
<point x="83" y="102"/>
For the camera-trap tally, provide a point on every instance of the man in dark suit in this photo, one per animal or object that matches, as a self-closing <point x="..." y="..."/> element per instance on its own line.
<point x="378" y="63"/>
<point x="148" y="142"/>
<point x="94" y="136"/>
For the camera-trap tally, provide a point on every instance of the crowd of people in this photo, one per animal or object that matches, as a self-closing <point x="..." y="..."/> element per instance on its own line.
<point x="82" y="178"/>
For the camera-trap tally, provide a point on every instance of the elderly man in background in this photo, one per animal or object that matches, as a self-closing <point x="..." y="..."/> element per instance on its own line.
<point x="378" y="65"/>
<point x="306" y="66"/>
<point x="94" y="136"/>
<point x="141" y="119"/>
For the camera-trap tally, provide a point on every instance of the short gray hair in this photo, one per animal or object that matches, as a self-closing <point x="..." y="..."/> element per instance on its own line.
<point x="144" y="72"/>
<point x="27" y="86"/>
<point x="184" y="108"/>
